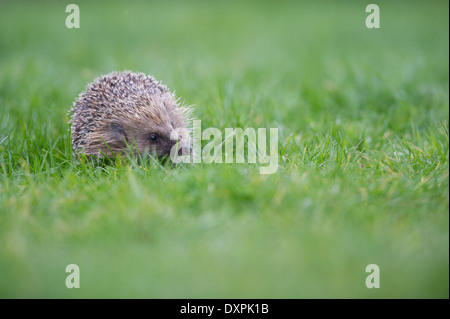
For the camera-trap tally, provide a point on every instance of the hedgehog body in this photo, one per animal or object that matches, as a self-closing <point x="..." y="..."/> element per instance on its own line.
<point x="127" y="108"/>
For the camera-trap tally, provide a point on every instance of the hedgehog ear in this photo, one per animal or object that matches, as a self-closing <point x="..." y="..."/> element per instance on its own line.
<point x="118" y="131"/>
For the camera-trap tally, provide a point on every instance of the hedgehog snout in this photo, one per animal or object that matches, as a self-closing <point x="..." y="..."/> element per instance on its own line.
<point x="182" y="137"/>
<point x="185" y="149"/>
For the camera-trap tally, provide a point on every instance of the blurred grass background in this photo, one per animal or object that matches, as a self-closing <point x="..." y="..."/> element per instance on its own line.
<point x="363" y="178"/>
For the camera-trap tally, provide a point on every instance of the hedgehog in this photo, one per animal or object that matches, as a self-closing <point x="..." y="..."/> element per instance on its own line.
<point x="122" y="109"/>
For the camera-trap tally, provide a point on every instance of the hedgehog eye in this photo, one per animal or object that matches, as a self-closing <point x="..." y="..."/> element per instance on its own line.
<point x="154" y="137"/>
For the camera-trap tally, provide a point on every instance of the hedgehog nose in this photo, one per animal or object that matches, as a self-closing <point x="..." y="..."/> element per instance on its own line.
<point x="185" y="150"/>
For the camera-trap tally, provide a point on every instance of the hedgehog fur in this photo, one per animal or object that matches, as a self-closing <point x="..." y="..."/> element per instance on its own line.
<point x="127" y="108"/>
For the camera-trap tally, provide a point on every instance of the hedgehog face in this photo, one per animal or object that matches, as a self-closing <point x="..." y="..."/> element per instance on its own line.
<point x="145" y="138"/>
<point x="154" y="133"/>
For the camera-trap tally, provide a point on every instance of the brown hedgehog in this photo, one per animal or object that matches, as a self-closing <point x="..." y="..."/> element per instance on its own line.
<point x="122" y="109"/>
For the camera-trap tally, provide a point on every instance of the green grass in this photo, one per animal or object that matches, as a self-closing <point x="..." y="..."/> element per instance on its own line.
<point x="364" y="152"/>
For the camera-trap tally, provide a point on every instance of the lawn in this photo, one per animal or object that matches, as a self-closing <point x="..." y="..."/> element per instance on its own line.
<point x="363" y="176"/>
